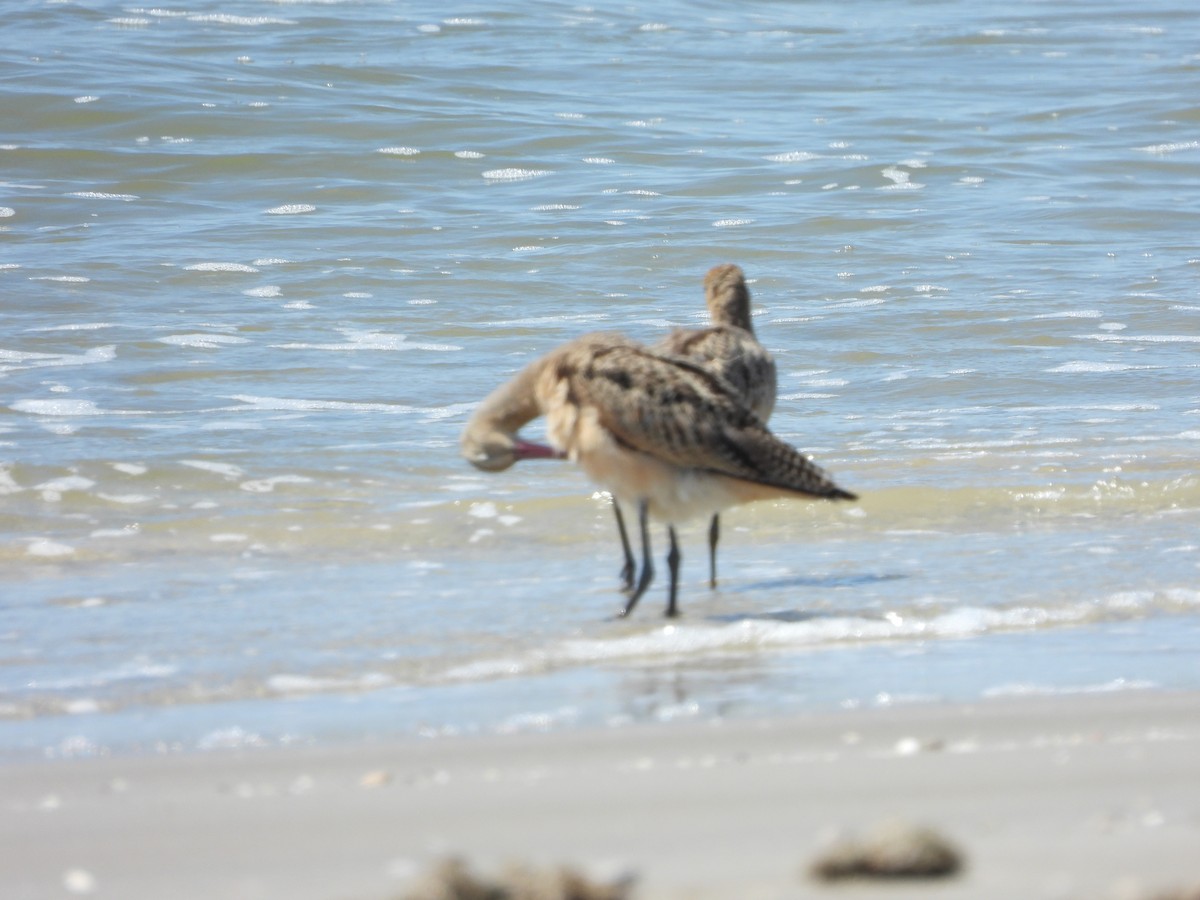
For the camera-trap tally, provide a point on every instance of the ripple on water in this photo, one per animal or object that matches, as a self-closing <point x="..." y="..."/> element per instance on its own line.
<point x="219" y="267"/>
<point x="15" y="360"/>
<point x="291" y="404"/>
<point x="372" y="340"/>
<point x="63" y="407"/>
<point x="291" y="209"/>
<point x="266" y="291"/>
<point x="202" y="341"/>
<point x="514" y="174"/>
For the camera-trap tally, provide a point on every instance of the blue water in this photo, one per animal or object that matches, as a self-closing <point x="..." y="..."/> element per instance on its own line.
<point x="258" y="263"/>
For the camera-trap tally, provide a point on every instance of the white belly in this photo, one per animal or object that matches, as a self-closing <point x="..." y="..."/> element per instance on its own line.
<point x="674" y="494"/>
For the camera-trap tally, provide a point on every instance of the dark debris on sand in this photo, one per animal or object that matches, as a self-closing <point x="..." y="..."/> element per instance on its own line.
<point x="453" y="880"/>
<point x="1186" y="893"/>
<point x="895" y="850"/>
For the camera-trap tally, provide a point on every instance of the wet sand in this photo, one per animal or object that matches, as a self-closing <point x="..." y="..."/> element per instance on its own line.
<point x="1062" y="797"/>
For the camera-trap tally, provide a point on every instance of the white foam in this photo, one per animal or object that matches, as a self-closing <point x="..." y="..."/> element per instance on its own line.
<point x="291" y="209"/>
<point x="104" y="195"/>
<point x="1142" y="338"/>
<point x="793" y="156"/>
<point x="8" y="484"/>
<point x="229" y="470"/>
<point x="1071" y="314"/>
<point x="731" y="223"/>
<point x="513" y="174"/>
<point x="229" y="19"/>
<point x="399" y="151"/>
<point x="56" y="487"/>
<point x="266" y="291"/>
<point x="57" y="407"/>
<point x="1175" y="147"/>
<point x="6" y="212"/>
<point x="468" y="154"/>
<point x="674" y="641"/>
<point x="807" y="395"/>
<point x="372" y="340"/>
<point x="78" y="326"/>
<point x="1078" y="367"/>
<point x="1029" y="689"/>
<point x="202" y="341"/>
<point x="901" y="180"/>
<point x="232" y="738"/>
<point x="219" y="267"/>
<point x="46" y="548"/>
<point x="826" y="382"/>
<point x="307" y="684"/>
<point x="857" y="302"/>
<point x="267" y="485"/>
<point x="281" y="404"/>
<point x="125" y="499"/>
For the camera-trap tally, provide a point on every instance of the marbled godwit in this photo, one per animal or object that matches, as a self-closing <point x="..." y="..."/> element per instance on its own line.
<point x="660" y="432"/>
<point x="729" y="348"/>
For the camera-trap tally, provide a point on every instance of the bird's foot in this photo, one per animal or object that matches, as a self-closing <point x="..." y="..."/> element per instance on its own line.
<point x="627" y="580"/>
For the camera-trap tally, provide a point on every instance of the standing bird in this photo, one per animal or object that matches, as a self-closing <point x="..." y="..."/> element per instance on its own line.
<point x="660" y="432"/>
<point x="729" y="348"/>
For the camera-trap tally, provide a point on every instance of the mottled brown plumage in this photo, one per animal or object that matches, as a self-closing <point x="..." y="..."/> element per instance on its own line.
<point x="729" y="348"/>
<point x="670" y="409"/>
<point x="659" y="431"/>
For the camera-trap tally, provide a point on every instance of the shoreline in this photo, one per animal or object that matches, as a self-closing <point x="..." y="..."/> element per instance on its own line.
<point x="1091" y="796"/>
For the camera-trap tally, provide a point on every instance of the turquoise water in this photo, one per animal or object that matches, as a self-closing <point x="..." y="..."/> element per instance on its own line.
<point x="259" y="262"/>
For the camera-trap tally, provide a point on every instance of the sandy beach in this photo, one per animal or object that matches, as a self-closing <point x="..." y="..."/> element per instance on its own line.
<point x="1063" y="797"/>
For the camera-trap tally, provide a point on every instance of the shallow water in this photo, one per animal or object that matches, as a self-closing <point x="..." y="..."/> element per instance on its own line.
<point x="257" y="264"/>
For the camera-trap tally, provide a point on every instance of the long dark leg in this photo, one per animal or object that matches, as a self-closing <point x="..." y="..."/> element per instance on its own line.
<point x="714" y="535"/>
<point x="627" y="569"/>
<point x="673" y="557"/>
<point x="647" y="573"/>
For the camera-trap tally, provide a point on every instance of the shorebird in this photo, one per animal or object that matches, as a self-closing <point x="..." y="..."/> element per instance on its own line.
<point x="729" y="348"/>
<point x="660" y="432"/>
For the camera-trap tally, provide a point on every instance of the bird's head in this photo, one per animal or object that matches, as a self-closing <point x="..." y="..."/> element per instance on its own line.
<point x="496" y="451"/>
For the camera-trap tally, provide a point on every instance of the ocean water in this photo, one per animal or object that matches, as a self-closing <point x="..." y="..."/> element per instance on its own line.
<point x="258" y="262"/>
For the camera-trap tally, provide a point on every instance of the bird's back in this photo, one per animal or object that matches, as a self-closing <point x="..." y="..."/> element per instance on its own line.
<point x="677" y="412"/>
<point x="729" y="347"/>
<point x="734" y="354"/>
